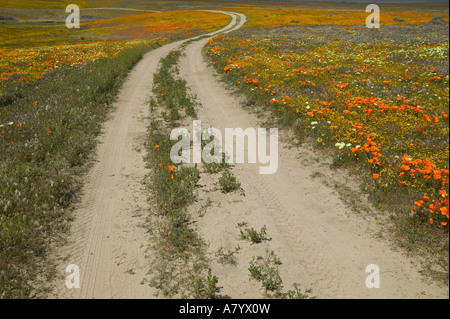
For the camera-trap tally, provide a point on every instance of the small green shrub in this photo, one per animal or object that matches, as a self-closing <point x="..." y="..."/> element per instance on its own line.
<point x="437" y="20"/>
<point x="296" y="293"/>
<point x="266" y="271"/>
<point x="262" y="270"/>
<point x="228" y="182"/>
<point x="254" y="236"/>
<point x="205" y="288"/>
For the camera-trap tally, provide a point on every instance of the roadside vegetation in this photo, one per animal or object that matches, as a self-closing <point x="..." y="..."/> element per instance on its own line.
<point x="180" y="267"/>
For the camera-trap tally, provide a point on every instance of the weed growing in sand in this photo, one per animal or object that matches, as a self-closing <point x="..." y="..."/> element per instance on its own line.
<point x="228" y="257"/>
<point x="266" y="270"/>
<point x="253" y="235"/>
<point x="297" y="293"/>
<point x="228" y="182"/>
<point x="205" y="288"/>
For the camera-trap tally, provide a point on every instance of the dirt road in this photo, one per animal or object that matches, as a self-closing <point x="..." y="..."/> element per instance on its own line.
<point x="321" y="243"/>
<point x="108" y="241"/>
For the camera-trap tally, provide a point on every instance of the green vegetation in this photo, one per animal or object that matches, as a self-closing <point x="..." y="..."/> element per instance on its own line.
<point x="266" y="271"/>
<point x="205" y="288"/>
<point x="254" y="236"/>
<point x="212" y="168"/>
<point x="171" y="91"/>
<point x="228" y="182"/>
<point x="180" y="260"/>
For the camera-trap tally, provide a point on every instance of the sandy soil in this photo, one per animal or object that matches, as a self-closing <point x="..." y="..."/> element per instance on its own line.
<point x="321" y="243"/>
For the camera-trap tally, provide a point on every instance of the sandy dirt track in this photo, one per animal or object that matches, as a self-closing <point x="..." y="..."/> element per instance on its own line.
<point x="321" y="243"/>
<point x="108" y="241"/>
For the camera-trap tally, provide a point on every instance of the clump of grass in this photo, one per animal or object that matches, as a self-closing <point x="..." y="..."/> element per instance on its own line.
<point x="253" y="235"/>
<point x="297" y="293"/>
<point x="227" y="258"/>
<point x="228" y="182"/>
<point x="266" y="271"/>
<point x="205" y="288"/>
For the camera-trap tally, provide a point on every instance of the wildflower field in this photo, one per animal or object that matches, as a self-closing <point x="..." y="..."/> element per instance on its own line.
<point x="26" y="59"/>
<point x="277" y="17"/>
<point x="375" y="98"/>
